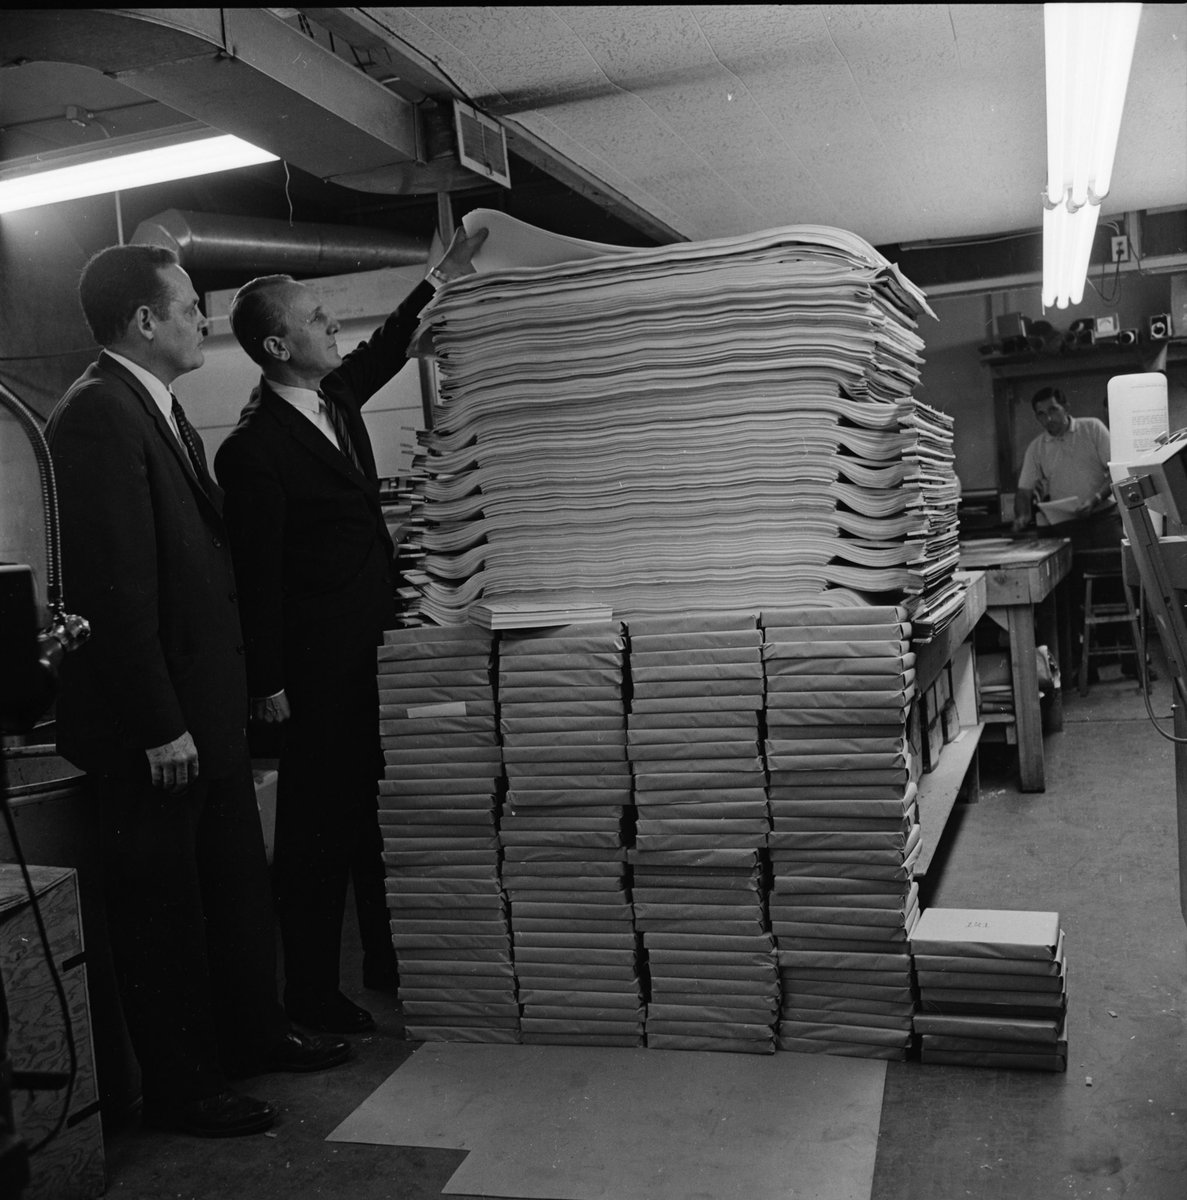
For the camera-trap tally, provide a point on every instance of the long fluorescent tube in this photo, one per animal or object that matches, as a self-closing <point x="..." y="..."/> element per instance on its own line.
<point x="1089" y="51"/>
<point x="1114" y="79"/>
<point x="203" y="155"/>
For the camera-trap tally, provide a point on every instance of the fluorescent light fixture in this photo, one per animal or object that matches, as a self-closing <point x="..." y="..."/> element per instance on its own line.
<point x="118" y="166"/>
<point x="1067" y="244"/>
<point x="1089" y="50"/>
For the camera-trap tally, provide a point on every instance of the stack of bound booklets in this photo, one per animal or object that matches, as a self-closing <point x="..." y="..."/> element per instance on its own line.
<point x="437" y="812"/>
<point x="695" y="427"/>
<point x="934" y="549"/>
<point x="693" y="737"/>
<point x="995" y="681"/>
<point x="845" y="832"/>
<point x="992" y="988"/>
<point x="562" y="720"/>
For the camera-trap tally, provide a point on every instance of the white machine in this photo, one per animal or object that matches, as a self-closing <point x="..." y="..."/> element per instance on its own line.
<point x="1156" y="479"/>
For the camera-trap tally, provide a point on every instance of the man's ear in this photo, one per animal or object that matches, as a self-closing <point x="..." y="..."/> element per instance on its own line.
<point x="143" y="322"/>
<point x="275" y="346"/>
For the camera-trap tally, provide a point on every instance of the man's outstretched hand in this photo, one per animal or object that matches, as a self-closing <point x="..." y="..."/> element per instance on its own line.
<point x="458" y="259"/>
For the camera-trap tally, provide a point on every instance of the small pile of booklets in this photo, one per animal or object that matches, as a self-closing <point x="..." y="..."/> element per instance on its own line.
<point x="437" y="814"/>
<point x="563" y="727"/>
<point x="846" y="833"/>
<point x="992" y="988"/>
<point x="693" y="734"/>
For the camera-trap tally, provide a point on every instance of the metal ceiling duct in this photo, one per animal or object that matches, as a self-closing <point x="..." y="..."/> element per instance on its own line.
<point x="261" y="246"/>
<point x="247" y="72"/>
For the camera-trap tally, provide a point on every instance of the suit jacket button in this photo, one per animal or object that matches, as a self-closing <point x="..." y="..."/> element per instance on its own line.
<point x="238" y="649"/>
<point x="233" y="597"/>
<point x="217" y="544"/>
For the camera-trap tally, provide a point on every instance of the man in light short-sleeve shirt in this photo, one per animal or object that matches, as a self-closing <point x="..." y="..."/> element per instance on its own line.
<point x="1068" y="462"/>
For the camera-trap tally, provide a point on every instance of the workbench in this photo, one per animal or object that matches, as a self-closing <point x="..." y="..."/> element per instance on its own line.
<point x="1021" y="578"/>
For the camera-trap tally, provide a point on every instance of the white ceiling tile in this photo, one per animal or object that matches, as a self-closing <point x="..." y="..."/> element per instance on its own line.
<point x="900" y="122"/>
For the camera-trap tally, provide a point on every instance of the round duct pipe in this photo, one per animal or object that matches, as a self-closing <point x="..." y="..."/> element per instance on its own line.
<point x="263" y="246"/>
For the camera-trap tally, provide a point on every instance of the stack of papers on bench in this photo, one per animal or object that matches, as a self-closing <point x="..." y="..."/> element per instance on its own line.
<point x="437" y="813"/>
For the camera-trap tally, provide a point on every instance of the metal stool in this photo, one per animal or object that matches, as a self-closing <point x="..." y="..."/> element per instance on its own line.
<point x="1100" y="569"/>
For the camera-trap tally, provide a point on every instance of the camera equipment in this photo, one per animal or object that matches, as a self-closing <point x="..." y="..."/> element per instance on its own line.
<point x="1159" y="327"/>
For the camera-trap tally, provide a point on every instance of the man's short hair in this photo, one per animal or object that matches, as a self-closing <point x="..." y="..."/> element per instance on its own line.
<point x="257" y="314"/>
<point x="1048" y="393"/>
<point x="119" y="280"/>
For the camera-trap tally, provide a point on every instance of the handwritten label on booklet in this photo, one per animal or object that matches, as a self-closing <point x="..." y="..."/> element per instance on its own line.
<point x="454" y="708"/>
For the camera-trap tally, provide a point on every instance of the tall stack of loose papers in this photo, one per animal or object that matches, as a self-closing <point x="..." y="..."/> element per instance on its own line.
<point x="700" y="795"/>
<point x="696" y="427"/>
<point x="845" y="832"/>
<point x="562" y="721"/>
<point x="437" y="811"/>
<point x="992" y="988"/>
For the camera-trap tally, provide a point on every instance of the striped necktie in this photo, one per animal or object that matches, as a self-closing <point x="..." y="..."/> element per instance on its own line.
<point x="189" y="439"/>
<point x="345" y="442"/>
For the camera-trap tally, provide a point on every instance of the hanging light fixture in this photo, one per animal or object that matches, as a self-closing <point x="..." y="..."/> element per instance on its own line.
<point x="1089" y="49"/>
<point x="123" y="163"/>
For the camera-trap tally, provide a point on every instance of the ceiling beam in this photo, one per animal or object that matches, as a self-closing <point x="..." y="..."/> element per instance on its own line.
<point x="416" y="75"/>
<point x="247" y="72"/>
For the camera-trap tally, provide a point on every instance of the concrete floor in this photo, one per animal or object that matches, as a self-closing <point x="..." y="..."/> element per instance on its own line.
<point x="1099" y="846"/>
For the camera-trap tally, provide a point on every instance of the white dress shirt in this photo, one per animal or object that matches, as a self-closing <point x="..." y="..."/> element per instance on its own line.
<point x="310" y="405"/>
<point x="161" y="395"/>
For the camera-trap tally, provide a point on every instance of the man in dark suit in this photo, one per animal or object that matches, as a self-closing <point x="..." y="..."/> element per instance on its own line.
<point x="153" y="709"/>
<point x="315" y="566"/>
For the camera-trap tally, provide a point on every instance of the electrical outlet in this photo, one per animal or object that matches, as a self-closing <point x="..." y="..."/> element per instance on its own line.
<point x="1120" y="249"/>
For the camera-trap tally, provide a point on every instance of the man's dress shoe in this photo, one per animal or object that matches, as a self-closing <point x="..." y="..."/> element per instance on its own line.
<point x="226" y="1114"/>
<point x="298" y="1051"/>
<point x="336" y="1015"/>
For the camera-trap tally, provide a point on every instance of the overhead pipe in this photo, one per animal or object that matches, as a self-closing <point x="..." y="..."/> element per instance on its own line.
<point x="262" y="245"/>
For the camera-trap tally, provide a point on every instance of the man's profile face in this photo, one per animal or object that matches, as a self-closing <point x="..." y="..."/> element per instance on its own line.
<point x="311" y="333"/>
<point x="179" y="334"/>
<point x="1052" y="416"/>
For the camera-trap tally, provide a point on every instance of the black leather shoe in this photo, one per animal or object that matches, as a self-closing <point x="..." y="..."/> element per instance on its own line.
<point x="305" y="1052"/>
<point x="227" y="1114"/>
<point x="338" y="1015"/>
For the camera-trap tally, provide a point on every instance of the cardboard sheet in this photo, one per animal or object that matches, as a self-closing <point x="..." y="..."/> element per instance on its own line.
<point x="593" y="1123"/>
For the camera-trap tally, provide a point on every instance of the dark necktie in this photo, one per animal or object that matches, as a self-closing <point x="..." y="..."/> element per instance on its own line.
<point x="345" y="444"/>
<point x="189" y="439"/>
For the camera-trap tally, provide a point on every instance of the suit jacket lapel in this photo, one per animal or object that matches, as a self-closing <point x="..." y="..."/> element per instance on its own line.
<point x="303" y="431"/>
<point x="212" y="497"/>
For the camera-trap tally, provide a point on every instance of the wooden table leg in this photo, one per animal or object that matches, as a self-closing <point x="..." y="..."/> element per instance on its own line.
<point x="1027" y="717"/>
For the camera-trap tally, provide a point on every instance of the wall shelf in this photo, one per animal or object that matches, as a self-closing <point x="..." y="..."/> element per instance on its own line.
<point x="939" y="790"/>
